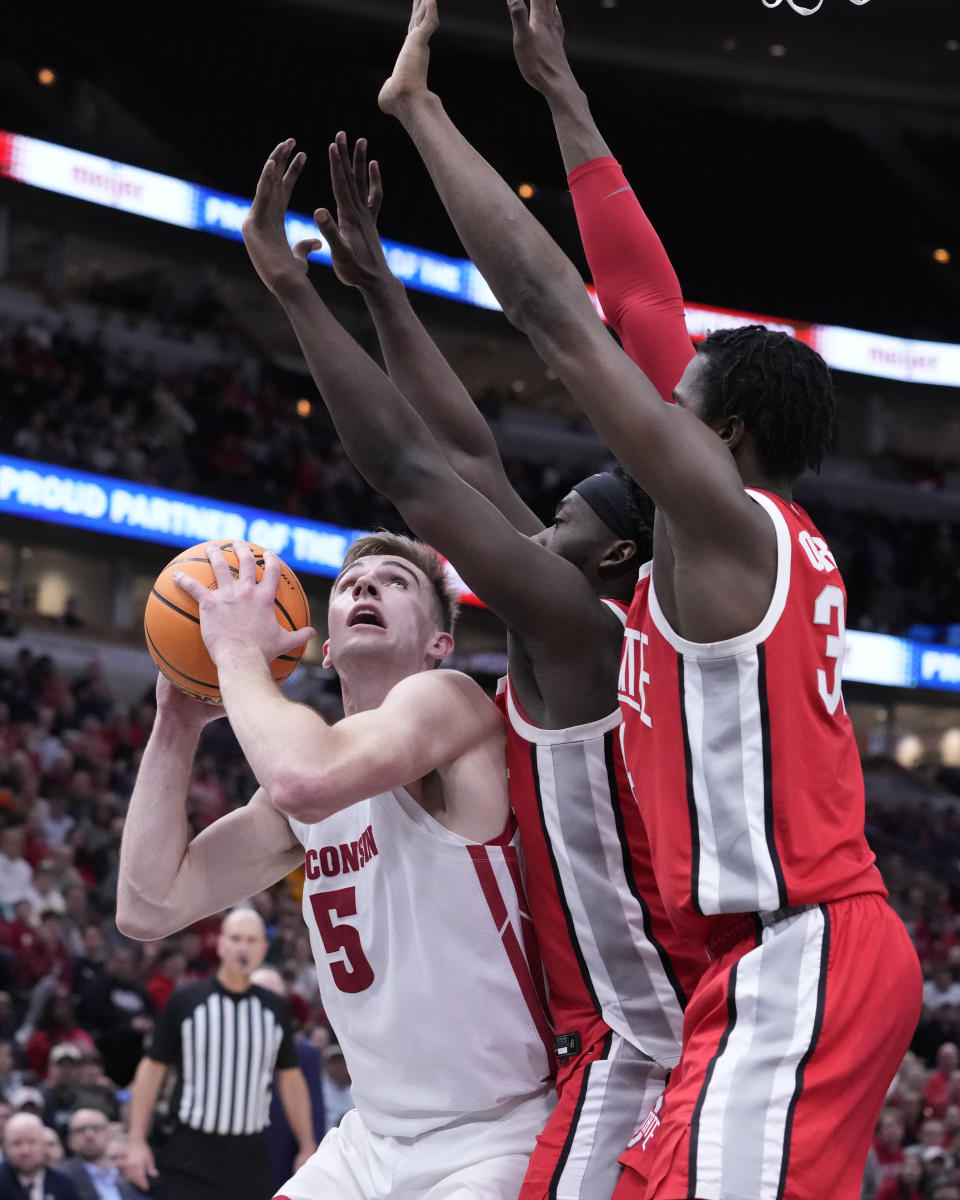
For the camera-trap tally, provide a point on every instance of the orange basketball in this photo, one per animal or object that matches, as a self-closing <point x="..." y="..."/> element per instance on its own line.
<point x="172" y="625"/>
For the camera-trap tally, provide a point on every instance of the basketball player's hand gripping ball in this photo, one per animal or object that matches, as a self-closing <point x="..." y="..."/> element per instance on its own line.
<point x="231" y="600"/>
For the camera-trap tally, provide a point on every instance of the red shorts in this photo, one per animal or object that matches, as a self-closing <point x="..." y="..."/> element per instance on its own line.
<point x="789" y="1046"/>
<point x="604" y="1097"/>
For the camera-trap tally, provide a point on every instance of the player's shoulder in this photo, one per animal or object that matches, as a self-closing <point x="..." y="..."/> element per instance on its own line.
<point x="444" y="685"/>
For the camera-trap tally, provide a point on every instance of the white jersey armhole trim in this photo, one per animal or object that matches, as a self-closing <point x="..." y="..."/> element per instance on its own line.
<point x="553" y="737"/>
<point x="417" y="815"/>
<point x="300" y="831"/>
<point x="753" y="637"/>
<point x="617" y="611"/>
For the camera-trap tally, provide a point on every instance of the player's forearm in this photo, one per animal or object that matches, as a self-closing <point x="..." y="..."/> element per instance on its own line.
<point x="425" y="378"/>
<point x="429" y="384"/>
<point x="143" y="1097"/>
<point x="156" y="834"/>
<point x="577" y="134"/>
<point x="295" y="1099"/>
<point x="528" y="273"/>
<point x="380" y="432"/>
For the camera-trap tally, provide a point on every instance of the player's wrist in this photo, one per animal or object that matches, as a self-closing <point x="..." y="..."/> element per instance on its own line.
<point x="383" y="289"/>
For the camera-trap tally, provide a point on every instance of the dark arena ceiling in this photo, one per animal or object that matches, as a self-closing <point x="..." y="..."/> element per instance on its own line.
<point x="800" y="166"/>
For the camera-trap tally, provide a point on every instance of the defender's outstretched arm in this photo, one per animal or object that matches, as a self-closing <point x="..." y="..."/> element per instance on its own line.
<point x="413" y="360"/>
<point x="393" y="449"/>
<point x="636" y="283"/>
<point x="681" y="463"/>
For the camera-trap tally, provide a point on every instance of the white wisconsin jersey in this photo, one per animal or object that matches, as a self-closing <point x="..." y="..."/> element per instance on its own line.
<point x="427" y="965"/>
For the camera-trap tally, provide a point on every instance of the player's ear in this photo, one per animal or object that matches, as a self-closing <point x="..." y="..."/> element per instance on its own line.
<point x="441" y="646"/>
<point x="619" y="553"/>
<point x="731" y="430"/>
<point x="326" y="654"/>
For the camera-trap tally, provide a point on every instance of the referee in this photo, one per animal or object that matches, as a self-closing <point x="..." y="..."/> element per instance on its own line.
<point x="225" y="1037"/>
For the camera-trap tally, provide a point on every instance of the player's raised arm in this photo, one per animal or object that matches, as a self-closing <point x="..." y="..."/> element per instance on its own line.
<point x="309" y="769"/>
<point x="168" y="881"/>
<point x="391" y="446"/>
<point x="682" y="463"/>
<point x="413" y="360"/>
<point x="636" y="283"/>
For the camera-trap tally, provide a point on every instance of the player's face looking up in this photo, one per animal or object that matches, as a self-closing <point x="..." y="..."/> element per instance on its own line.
<point x="380" y="603"/>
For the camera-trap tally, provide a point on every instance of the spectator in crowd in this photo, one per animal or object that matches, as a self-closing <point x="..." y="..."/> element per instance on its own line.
<point x="337" y="1099"/>
<point x="281" y="1140"/>
<point x="909" y="1183"/>
<point x="937" y="1164"/>
<point x="16" y="874"/>
<point x="43" y="894"/>
<point x="941" y="989"/>
<point x="90" y="965"/>
<point x="58" y="1026"/>
<point x="932" y="1133"/>
<point x="95" y="1089"/>
<point x="76" y="913"/>
<point x="23" y="1173"/>
<point x="8" y="1019"/>
<point x="937" y="1092"/>
<point x="169" y="968"/>
<point x="119" y="1011"/>
<point x="61" y="1092"/>
<point x="888" y="1144"/>
<point x="27" y="1099"/>
<point x="44" y="955"/>
<point x="89" y="1167"/>
<point x="53" y="1147"/>
<point x="11" y="1078"/>
<point x="58" y="821"/>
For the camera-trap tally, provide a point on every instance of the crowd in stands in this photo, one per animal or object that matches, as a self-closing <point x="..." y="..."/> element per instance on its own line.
<point x="233" y="432"/>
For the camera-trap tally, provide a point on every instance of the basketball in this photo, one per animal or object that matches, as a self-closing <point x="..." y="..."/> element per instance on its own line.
<point x="172" y="625"/>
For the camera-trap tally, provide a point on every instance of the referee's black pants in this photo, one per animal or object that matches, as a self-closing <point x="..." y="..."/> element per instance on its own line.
<point x="212" y="1166"/>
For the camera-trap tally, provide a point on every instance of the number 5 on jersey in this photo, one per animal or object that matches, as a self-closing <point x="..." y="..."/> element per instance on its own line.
<point x="350" y="969"/>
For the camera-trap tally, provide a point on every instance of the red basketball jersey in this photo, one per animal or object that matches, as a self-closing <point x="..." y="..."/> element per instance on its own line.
<point x="611" y="958"/>
<point x="744" y="759"/>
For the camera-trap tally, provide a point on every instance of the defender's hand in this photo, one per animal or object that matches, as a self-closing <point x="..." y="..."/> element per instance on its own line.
<point x="355" y="248"/>
<point x="538" y="44"/>
<point x="408" y="82"/>
<point x="264" y="233"/>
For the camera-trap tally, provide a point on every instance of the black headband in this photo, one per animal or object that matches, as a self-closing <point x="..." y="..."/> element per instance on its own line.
<point x="606" y="496"/>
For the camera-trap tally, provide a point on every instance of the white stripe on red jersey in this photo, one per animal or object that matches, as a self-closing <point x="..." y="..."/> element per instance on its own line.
<point x="755" y="800"/>
<point x="611" y="959"/>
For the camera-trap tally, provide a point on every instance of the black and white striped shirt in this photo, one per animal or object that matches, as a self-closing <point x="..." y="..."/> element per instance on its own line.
<point x="226" y="1046"/>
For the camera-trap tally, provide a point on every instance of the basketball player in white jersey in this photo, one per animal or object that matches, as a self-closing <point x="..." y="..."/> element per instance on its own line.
<point x="413" y="894"/>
